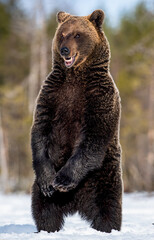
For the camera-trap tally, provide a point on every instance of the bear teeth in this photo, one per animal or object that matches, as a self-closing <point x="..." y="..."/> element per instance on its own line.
<point x="69" y="63"/>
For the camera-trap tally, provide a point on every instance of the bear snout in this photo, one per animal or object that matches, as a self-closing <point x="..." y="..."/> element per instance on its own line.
<point x="64" y="51"/>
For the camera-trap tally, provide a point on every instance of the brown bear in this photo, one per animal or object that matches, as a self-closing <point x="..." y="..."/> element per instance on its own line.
<point x="75" y="133"/>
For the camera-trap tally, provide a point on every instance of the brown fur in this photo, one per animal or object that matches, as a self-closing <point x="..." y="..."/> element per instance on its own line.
<point x="75" y="134"/>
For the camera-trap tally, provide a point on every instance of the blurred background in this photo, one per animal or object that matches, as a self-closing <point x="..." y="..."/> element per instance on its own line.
<point x="26" y="31"/>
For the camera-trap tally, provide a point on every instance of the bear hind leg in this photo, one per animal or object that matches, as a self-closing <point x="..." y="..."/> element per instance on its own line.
<point x="47" y="216"/>
<point x="104" y="212"/>
<point x="107" y="216"/>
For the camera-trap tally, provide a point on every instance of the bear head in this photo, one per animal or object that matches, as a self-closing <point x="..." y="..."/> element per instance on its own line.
<point x="76" y="37"/>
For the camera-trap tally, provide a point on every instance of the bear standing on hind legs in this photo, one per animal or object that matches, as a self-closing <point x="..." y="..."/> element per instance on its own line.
<point x="75" y="133"/>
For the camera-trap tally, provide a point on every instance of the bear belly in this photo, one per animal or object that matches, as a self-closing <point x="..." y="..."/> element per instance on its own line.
<point x="67" y="125"/>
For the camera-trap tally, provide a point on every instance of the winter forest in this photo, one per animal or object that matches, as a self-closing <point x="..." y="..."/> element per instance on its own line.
<point x="27" y="28"/>
<point x="25" y="61"/>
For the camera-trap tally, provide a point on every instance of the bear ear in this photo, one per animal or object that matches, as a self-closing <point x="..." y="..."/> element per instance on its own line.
<point x="62" y="16"/>
<point x="97" y="18"/>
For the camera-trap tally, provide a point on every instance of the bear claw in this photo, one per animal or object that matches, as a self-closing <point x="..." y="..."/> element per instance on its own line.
<point x="47" y="190"/>
<point x="63" y="184"/>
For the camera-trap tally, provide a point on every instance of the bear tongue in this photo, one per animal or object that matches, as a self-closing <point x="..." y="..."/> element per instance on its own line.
<point x="69" y="63"/>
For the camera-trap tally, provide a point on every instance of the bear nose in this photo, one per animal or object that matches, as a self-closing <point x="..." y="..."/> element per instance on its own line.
<point x="65" y="51"/>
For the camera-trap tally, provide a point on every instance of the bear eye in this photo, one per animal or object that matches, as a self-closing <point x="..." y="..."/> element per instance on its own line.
<point x="77" y="35"/>
<point x="62" y="36"/>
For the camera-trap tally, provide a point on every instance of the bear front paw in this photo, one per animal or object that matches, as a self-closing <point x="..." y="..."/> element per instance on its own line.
<point x="63" y="183"/>
<point x="46" y="187"/>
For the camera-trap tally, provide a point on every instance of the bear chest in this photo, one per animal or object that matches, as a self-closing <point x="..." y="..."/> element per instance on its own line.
<point x="70" y="102"/>
<point x="68" y="122"/>
<point x="70" y="107"/>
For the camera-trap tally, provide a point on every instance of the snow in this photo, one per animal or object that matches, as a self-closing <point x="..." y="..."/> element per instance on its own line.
<point x="16" y="222"/>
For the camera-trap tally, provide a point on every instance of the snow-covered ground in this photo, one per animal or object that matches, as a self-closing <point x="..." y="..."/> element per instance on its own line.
<point x="138" y="221"/>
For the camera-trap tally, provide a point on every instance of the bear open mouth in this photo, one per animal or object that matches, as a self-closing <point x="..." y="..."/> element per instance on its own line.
<point x="69" y="61"/>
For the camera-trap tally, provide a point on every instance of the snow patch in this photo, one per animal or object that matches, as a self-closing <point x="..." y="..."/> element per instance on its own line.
<point x="16" y="222"/>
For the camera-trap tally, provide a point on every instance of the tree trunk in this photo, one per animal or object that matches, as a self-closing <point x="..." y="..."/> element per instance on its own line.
<point x="150" y="157"/>
<point x="3" y="160"/>
<point x="43" y="42"/>
<point x="38" y="63"/>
